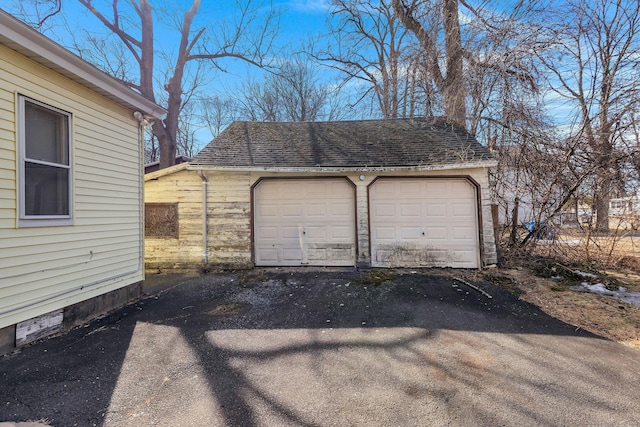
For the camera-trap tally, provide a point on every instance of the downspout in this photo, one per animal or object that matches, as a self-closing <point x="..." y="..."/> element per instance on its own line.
<point x="143" y="123"/>
<point x="205" y="229"/>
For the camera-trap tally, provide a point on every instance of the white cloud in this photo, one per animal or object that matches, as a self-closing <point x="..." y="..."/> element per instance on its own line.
<point x="309" y="6"/>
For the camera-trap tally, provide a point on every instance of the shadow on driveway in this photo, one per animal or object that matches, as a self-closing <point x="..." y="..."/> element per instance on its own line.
<point x="306" y="347"/>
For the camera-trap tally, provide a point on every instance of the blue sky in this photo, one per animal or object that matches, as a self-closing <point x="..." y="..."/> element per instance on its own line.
<point x="298" y="20"/>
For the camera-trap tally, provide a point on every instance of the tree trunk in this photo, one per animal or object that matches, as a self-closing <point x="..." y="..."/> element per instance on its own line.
<point x="146" y="51"/>
<point x="454" y="88"/>
<point x="452" y="85"/>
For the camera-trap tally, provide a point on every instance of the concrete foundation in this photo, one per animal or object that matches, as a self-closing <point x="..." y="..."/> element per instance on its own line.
<point x="80" y="313"/>
<point x="7" y="339"/>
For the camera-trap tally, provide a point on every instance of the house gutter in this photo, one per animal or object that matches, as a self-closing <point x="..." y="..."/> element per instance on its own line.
<point x="205" y="229"/>
<point x="345" y="169"/>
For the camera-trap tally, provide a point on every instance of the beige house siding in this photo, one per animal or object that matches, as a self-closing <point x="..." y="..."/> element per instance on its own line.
<point x="48" y="268"/>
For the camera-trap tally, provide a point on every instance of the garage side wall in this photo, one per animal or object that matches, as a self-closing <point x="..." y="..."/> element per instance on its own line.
<point x="184" y="251"/>
<point x="229" y="212"/>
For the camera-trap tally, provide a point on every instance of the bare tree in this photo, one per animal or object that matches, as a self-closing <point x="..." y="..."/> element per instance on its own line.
<point x="249" y="38"/>
<point x="594" y="68"/>
<point x="302" y="96"/>
<point x="37" y="13"/>
<point x="291" y="93"/>
<point x="369" y="46"/>
<point x="259" y="100"/>
<point x="218" y="113"/>
<point x="450" y="83"/>
<point x="187" y="141"/>
<point x="151" y="151"/>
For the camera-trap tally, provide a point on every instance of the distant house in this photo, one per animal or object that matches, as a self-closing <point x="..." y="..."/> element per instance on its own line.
<point x="71" y="238"/>
<point x="534" y="195"/>
<point x="624" y="212"/>
<point x="381" y="193"/>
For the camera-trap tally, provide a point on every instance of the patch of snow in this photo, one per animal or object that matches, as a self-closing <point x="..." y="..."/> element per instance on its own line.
<point x="621" y="294"/>
<point x="585" y="275"/>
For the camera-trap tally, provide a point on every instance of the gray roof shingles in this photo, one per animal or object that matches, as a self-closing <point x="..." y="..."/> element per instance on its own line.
<point x="362" y="143"/>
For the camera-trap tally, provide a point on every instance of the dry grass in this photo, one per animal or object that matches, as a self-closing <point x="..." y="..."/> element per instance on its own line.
<point x="603" y="316"/>
<point x="619" y="248"/>
<point x="613" y="256"/>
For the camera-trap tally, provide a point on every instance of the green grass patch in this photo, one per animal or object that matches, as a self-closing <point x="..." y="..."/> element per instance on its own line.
<point x="375" y="277"/>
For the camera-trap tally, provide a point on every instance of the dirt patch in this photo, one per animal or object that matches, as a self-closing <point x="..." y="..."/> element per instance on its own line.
<point x="375" y="277"/>
<point x="604" y="316"/>
<point x="227" y="309"/>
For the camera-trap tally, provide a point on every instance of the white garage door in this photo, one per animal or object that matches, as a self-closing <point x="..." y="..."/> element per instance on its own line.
<point x="304" y="222"/>
<point x="423" y="222"/>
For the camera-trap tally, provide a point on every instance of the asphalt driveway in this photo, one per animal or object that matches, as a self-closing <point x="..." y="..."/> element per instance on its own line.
<point x="303" y="347"/>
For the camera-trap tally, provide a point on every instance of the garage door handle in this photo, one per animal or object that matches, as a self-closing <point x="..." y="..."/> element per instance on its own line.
<point x="304" y="232"/>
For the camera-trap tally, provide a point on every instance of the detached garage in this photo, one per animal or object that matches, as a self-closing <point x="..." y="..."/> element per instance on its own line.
<point x="381" y="193"/>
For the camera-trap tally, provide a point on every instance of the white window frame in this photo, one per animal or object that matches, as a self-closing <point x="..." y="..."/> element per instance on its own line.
<point x="25" y="220"/>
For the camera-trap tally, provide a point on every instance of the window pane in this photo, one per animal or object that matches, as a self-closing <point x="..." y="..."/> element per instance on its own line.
<point x="46" y="190"/>
<point x="46" y="134"/>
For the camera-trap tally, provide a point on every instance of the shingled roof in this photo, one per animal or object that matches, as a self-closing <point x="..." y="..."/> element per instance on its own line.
<point x="363" y="143"/>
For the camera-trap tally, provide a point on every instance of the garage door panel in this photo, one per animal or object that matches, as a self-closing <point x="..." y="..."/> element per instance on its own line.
<point x="384" y="233"/>
<point x="436" y="233"/>
<point x="289" y="210"/>
<point x="436" y="209"/>
<point x="423" y="222"/>
<point x="285" y="187"/>
<point x="316" y="210"/>
<point x="341" y="210"/>
<point x="437" y="190"/>
<point x="408" y="188"/>
<point x="410" y="209"/>
<point x="292" y="254"/>
<point x="318" y="254"/>
<point x="267" y="232"/>
<point x="463" y="233"/>
<point x="289" y="232"/>
<point x="269" y="210"/>
<point x="384" y="209"/>
<point x="341" y="233"/>
<point x="418" y="256"/>
<point x="267" y="255"/>
<point x="410" y="233"/>
<point x="317" y="232"/>
<point x="315" y="222"/>
<point x="465" y="209"/>
<point x="385" y="187"/>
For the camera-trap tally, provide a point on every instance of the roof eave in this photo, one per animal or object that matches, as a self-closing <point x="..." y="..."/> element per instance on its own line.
<point x="346" y="169"/>
<point x="166" y="171"/>
<point x="25" y="40"/>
